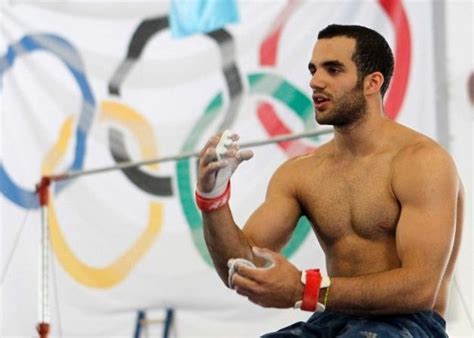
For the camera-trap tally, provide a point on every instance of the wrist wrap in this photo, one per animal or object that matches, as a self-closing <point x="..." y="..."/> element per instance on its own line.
<point x="313" y="281"/>
<point x="311" y="290"/>
<point x="211" y="204"/>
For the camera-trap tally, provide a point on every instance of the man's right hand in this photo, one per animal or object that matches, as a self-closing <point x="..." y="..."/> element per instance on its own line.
<point x="217" y="166"/>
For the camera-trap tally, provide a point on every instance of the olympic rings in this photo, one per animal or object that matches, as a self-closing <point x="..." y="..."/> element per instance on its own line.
<point x="155" y="185"/>
<point x="115" y="272"/>
<point x="232" y="75"/>
<point x="399" y="84"/>
<point x="267" y="57"/>
<point x="162" y="186"/>
<point x="396" y="93"/>
<point x="142" y="131"/>
<point x="138" y="42"/>
<point x="66" y="52"/>
<point x="266" y="113"/>
<point x="260" y="84"/>
<point x="83" y="273"/>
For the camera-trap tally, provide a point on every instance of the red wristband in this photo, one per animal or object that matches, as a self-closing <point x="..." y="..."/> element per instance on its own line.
<point x="311" y="290"/>
<point x="211" y="204"/>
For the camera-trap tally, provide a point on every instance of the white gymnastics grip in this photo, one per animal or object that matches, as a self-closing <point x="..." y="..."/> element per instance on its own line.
<point x="224" y="142"/>
<point x="233" y="263"/>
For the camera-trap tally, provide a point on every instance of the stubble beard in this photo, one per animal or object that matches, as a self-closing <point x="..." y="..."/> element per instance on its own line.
<point x="350" y="110"/>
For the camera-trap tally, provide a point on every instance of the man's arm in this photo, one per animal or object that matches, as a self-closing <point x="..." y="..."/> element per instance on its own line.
<point x="425" y="183"/>
<point x="269" y="226"/>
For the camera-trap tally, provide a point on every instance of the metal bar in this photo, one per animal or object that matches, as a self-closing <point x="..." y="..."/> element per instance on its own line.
<point x="141" y="321"/>
<point x="282" y="138"/>
<point x="43" y="326"/>
<point x="44" y="308"/>
<point x="168" y="322"/>
<point x="44" y="268"/>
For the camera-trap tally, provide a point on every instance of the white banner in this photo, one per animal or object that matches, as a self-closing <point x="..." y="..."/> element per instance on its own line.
<point x="87" y="85"/>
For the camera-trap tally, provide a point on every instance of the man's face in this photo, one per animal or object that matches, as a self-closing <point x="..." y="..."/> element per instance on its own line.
<point x="337" y="92"/>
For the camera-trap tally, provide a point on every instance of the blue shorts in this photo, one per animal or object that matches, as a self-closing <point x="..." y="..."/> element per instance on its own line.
<point x="334" y="324"/>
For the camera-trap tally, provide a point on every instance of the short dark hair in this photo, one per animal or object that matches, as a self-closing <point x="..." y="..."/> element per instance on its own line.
<point x="372" y="52"/>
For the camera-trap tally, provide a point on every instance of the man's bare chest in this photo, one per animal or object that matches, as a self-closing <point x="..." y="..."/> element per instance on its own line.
<point x="351" y="200"/>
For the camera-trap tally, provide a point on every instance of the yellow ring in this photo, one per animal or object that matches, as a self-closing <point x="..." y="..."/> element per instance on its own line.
<point x="114" y="273"/>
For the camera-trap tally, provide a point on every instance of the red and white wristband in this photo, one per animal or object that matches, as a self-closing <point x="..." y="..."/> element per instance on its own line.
<point x="313" y="281"/>
<point x="211" y="204"/>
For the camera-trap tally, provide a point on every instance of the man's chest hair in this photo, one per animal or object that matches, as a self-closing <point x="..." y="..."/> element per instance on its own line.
<point x="357" y="200"/>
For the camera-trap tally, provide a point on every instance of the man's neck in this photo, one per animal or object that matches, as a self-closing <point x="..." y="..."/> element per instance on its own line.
<point x="361" y="138"/>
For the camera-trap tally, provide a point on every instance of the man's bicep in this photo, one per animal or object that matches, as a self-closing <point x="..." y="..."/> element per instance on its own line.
<point x="272" y="224"/>
<point x="424" y="238"/>
<point x="426" y="188"/>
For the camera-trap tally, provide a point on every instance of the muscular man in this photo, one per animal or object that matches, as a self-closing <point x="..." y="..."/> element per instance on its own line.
<point x="384" y="201"/>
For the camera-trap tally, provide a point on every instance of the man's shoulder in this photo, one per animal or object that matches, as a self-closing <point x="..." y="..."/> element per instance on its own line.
<point x="410" y="144"/>
<point x="419" y="147"/>
<point x="422" y="168"/>
<point x="419" y="154"/>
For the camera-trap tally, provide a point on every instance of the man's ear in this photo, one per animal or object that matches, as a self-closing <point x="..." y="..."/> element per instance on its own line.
<point x="373" y="83"/>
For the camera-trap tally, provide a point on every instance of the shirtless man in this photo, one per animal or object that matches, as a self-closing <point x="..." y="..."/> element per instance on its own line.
<point x="384" y="201"/>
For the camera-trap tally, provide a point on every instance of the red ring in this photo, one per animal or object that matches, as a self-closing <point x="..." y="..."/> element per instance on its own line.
<point x="397" y="90"/>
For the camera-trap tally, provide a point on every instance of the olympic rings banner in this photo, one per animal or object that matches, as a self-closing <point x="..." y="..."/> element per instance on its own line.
<point x="85" y="85"/>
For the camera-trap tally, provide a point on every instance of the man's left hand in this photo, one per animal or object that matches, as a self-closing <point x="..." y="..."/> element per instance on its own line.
<point x="276" y="286"/>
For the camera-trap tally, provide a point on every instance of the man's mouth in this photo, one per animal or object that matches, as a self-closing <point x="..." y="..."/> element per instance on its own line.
<point x="320" y="101"/>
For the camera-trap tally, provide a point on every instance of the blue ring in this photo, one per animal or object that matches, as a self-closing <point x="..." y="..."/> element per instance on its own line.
<point x="65" y="51"/>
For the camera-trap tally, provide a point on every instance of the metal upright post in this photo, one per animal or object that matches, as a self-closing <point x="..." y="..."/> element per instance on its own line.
<point x="44" y="316"/>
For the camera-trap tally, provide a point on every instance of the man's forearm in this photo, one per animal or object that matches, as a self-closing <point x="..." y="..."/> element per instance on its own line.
<point x="224" y="240"/>
<point x="400" y="290"/>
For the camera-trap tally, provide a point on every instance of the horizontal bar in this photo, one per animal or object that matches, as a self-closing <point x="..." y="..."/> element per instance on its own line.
<point x="131" y="164"/>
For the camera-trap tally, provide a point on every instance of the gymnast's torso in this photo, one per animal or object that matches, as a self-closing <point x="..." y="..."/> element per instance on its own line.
<point x="354" y="210"/>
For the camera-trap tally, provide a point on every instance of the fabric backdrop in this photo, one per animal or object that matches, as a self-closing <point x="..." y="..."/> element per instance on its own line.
<point x="91" y="84"/>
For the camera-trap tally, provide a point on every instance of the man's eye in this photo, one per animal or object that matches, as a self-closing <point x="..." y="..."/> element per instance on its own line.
<point x="334" y="70"/>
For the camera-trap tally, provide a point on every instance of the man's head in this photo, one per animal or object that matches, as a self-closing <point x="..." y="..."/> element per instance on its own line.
<point x="348" y="68"/>
<point x="372" y="52"/>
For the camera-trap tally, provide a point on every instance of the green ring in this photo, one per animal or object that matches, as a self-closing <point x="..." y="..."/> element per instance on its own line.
<point x="260" y="84"/>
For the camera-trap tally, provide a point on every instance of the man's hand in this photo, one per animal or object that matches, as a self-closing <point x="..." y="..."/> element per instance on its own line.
<point x="217" y="166"/>
<point x="277" y="286"/>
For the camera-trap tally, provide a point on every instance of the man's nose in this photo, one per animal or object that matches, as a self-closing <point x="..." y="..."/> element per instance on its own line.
<point x="317" y="81"/>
